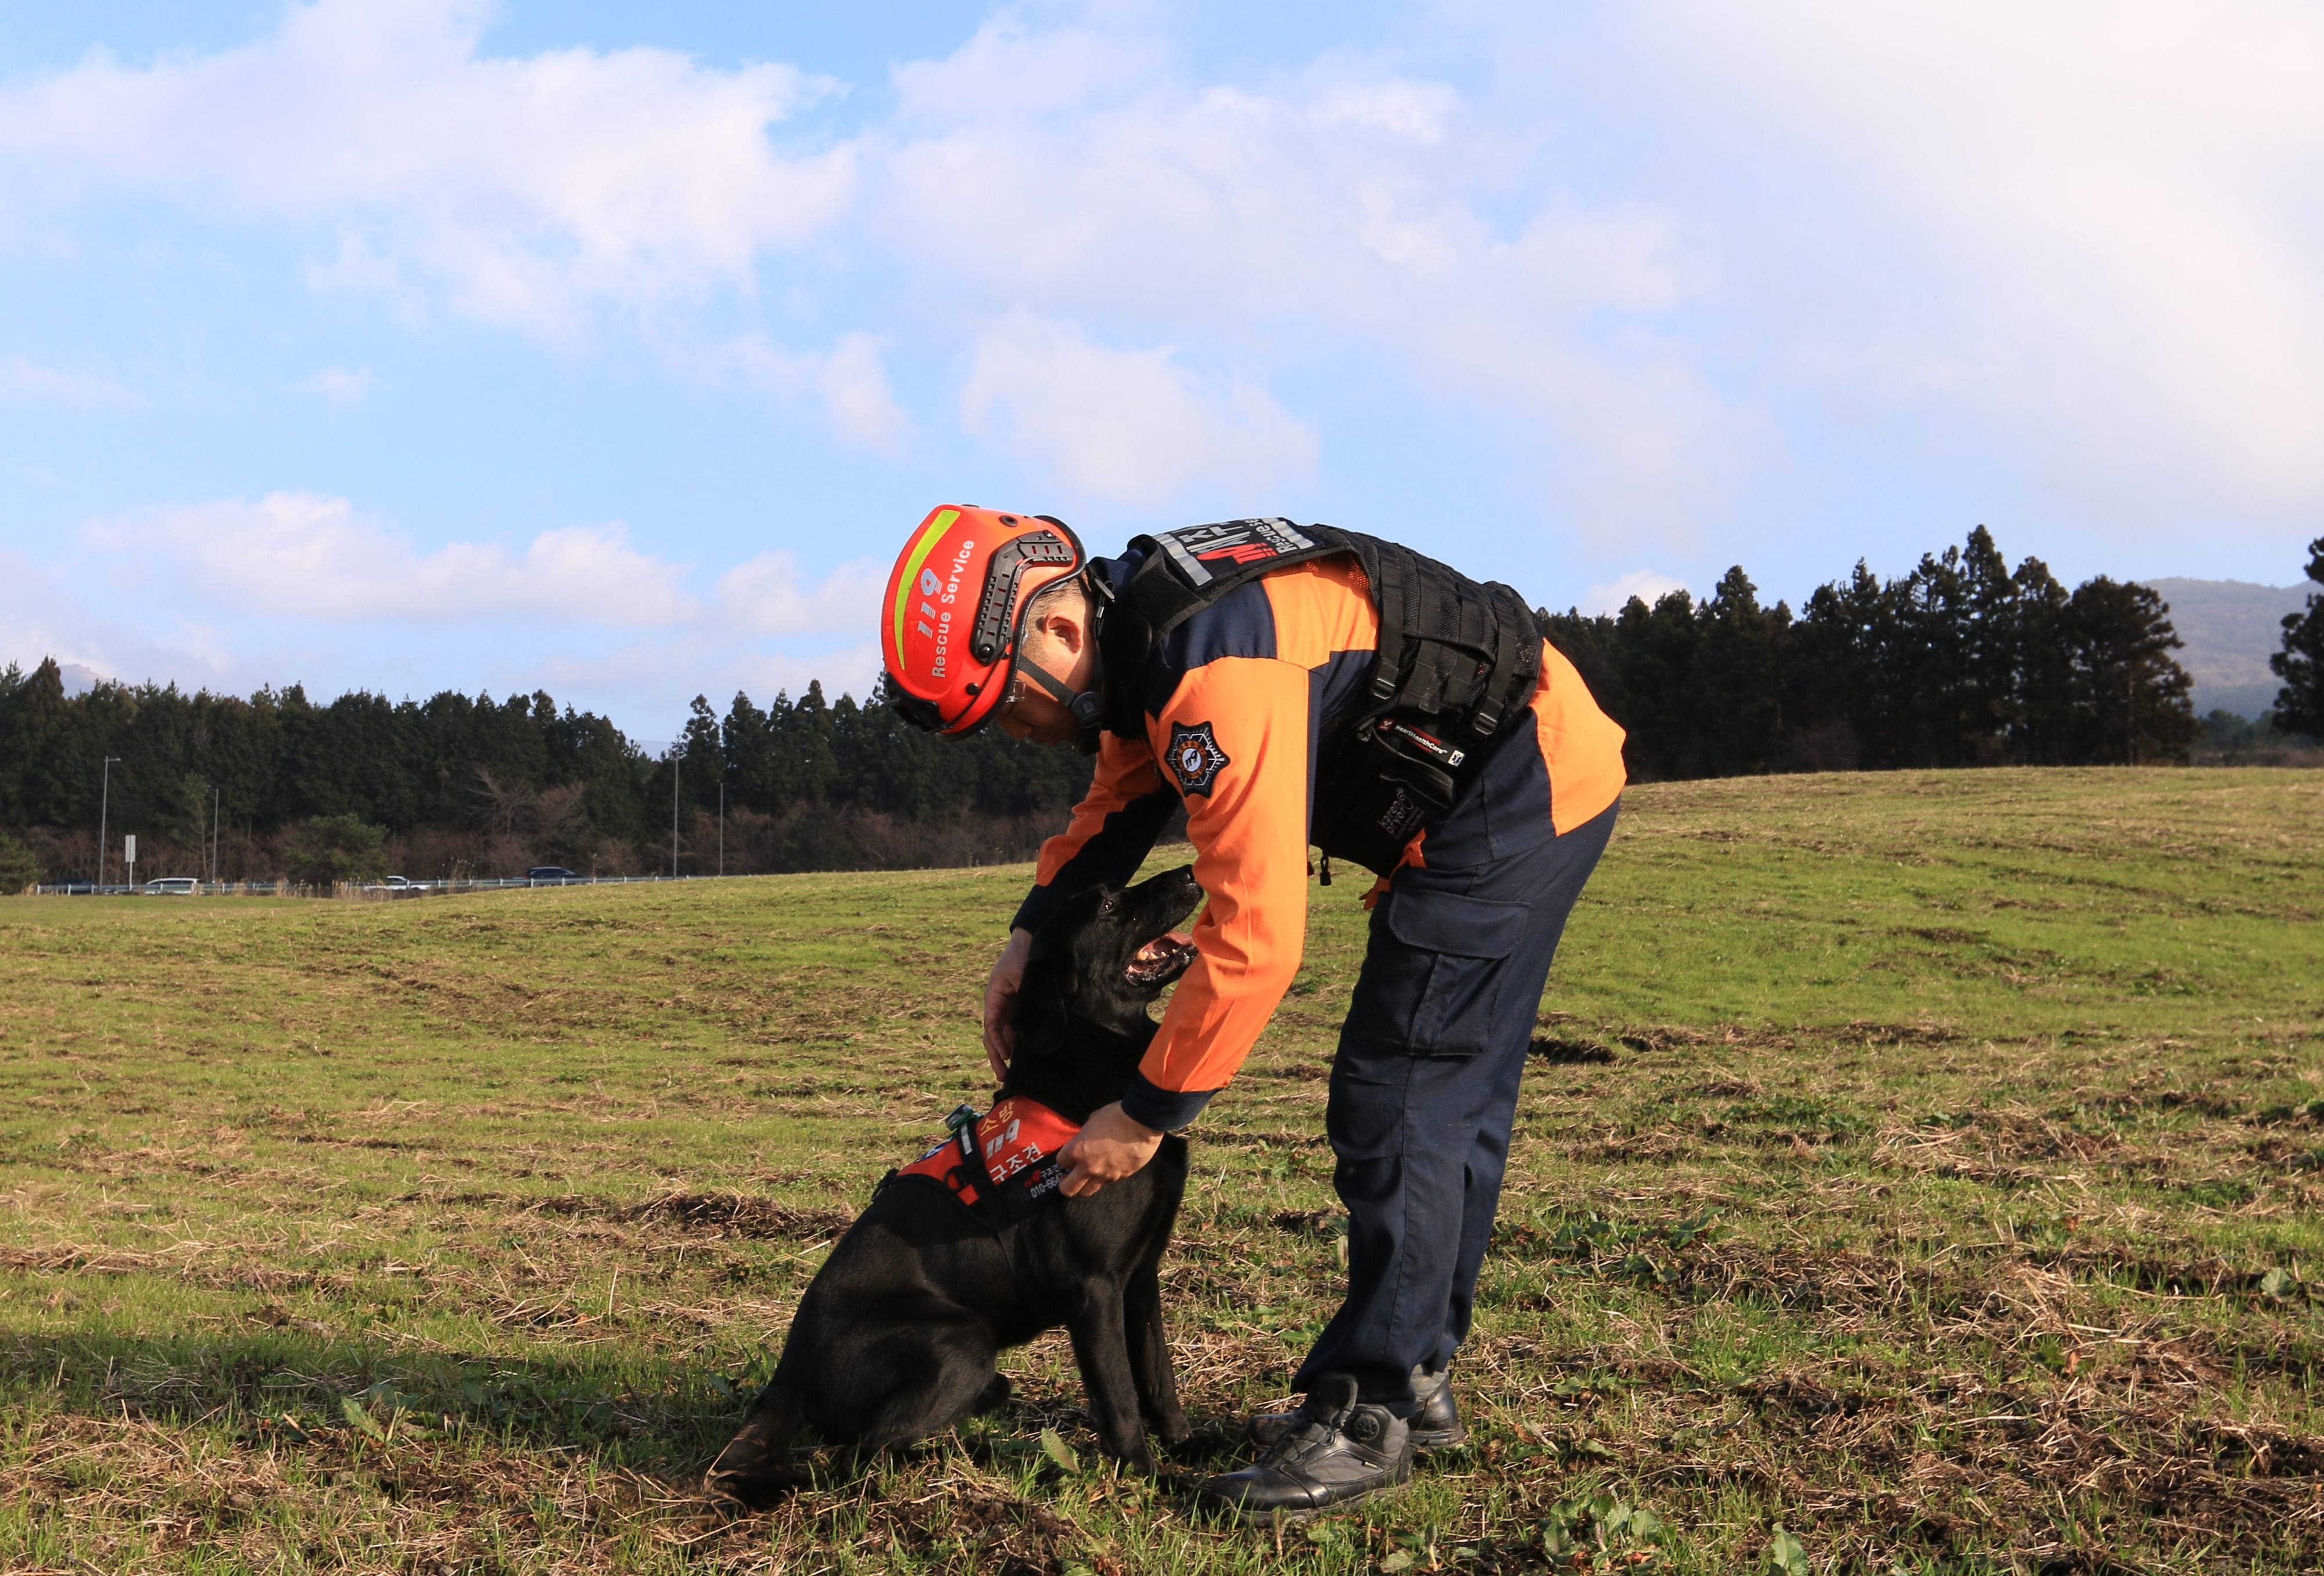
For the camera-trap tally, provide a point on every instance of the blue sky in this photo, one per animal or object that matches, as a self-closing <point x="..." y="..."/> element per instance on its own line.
<point x="612" y="348"/>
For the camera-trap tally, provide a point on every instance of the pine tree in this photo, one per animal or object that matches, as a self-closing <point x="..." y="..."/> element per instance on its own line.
<point x="1929" y="659"/>
<point x="18" y="868"/>
<point x="2300" y="704"/>
<point x="1839" y="680"/>
<point x="33" y="719"/>
<point x="2042" y="722"/>
<point x="337" y="848"/>
<point x="2131" y="697"/>
<point x="1740" y="677"/>
<point x="1993" y="654"/>
<point x="746" y="743"/>
<point x="1658" y="665"/>
<point x="702" y="758"/>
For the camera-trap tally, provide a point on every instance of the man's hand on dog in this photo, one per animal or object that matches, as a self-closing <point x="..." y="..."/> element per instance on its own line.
<point x="1001" y="1002"/>
<point x="1110" y="1148"/>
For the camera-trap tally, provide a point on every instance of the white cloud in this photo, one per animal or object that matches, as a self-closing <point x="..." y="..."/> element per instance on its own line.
<point x="306" y="557"/>
<point x="233" y="594"/>
<point x="768" y="596"/>
<point x="2087" y="229"/>
<point x="1658" y="250"/>
<point x="856" y="398"/>
<point x="338" y="387"/>
<point x="45" y="614"/>
<point x="39" y="617"/>
<point x="849" y="380"/>
<point x="301" y="555"/>
<point x="27" y="383"/>
<point x="847" y="670"/>
<point x="1039" y="176"/>
<point x="1129" y="425"/>
<point x="526" y="187"/>
<point x="1647" y="586"/>
<point x="1348" y="208"/>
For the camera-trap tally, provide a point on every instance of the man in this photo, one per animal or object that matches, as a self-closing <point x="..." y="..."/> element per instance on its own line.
<point x="1294" y="686"/>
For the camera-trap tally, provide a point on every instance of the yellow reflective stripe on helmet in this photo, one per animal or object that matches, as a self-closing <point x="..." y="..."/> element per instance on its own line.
<point x="921" y="551"/>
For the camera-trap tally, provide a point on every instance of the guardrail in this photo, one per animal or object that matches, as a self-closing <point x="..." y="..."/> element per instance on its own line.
<point x="348" y="888"/>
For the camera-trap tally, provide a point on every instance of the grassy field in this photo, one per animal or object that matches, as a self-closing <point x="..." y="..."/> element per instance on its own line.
<point x="1919" y="1173"/>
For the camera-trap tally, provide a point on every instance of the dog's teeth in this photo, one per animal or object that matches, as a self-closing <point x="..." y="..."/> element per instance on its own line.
<point x="1161" y="954"/>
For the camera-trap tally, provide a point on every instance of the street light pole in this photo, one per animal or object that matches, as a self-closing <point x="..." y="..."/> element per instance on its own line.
<point x="104" y="805"/>
<point x="675" y="757"/>
<point x="721" y="824"/>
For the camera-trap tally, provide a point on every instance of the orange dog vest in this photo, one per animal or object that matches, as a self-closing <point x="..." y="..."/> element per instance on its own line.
<point x="1002" y="1166"/>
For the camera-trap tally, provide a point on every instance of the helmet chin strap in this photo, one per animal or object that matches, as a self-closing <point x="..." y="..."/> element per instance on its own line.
<point x="1086" y="706"/>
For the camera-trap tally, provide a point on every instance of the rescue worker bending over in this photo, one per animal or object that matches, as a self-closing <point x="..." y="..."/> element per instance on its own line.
<point x="1294" y="686"/>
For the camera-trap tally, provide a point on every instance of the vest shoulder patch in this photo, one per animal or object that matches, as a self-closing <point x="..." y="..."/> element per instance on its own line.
<point x="1201" y="553"/>
<point x="1194" y="757"/>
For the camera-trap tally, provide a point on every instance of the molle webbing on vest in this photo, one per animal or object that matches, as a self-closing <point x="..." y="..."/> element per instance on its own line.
<point x="1455" y="660"/>
<point x="1450" y="649"/>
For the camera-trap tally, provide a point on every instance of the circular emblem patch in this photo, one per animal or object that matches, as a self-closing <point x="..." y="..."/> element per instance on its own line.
<point x="1194" y="757"/>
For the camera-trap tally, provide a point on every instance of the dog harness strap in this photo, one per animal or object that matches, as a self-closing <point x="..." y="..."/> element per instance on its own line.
<point x="1002" y="1167"/>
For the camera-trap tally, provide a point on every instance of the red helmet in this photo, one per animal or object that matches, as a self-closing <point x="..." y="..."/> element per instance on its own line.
<point x="956" y="607"/>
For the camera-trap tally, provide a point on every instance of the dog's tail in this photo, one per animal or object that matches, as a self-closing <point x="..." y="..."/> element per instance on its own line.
<point x="754" y="1469"/>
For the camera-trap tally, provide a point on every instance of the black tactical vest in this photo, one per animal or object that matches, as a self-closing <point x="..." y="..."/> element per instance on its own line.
<point x="1456" y="661"/>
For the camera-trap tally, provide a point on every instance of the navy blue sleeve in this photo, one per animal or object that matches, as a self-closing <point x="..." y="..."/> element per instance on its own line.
<point x="1167" y="1109"/>
<point x="1111" y="856"/>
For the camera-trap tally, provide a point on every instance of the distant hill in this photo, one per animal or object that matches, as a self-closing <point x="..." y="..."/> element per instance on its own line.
<point x="2231" y="628"/>
<point x="78" y="679"/>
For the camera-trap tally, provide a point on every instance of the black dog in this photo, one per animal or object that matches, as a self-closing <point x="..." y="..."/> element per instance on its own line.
<point x="896" y="1337"/>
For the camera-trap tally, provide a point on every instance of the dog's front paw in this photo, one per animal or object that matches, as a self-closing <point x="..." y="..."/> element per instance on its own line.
<point x="1207" y="1446"/>
<point x="1139" y="1461"/>
<point x="755" y="1489"/>
<point x="754" y="1470"/>
<point x="994" y="1396"/>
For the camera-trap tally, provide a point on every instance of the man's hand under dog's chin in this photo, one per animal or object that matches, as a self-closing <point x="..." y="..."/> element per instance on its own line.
<point x="1110" y="1148"/>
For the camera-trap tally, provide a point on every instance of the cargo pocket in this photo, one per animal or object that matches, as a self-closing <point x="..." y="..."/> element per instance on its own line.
<point x="1455" y="949"/>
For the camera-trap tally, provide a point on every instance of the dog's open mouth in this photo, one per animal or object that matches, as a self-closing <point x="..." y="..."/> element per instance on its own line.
<point x="1162" y="960"/>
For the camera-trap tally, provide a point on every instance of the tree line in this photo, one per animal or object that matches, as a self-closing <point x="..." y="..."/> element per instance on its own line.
<point x="279" y="784"/>
<point x="1963" y="662"/>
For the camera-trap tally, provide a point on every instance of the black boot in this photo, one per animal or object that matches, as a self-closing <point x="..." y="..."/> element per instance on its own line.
<point x="1341" y="1452"/>
<point x="1435" y="1426"/>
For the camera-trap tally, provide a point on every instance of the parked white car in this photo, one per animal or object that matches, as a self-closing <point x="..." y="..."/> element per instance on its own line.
<point x="173" y="887"/>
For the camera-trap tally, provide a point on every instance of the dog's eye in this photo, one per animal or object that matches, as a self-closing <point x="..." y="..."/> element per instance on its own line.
<point x="1109" y="903"/>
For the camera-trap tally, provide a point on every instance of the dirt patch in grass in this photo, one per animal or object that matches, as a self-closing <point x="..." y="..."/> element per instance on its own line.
<point x="739" y="1213"/>
<point x="1555" y="1051"/>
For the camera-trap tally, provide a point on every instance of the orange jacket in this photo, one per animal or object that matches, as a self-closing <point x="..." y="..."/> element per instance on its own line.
<point x="1234" y="702"/>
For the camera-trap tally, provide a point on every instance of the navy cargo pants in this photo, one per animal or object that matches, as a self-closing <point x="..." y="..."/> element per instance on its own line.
<point x="1425" y="1085"/>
